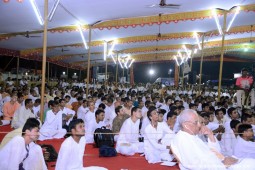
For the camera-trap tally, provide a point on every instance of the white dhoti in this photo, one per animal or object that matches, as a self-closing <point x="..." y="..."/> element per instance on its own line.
<point x="130" y="149"/>
<point x="51" y="134"/>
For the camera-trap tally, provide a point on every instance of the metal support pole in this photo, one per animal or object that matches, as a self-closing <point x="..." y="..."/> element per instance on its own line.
<point x="106" y="65"/>
<point x="48" y="72"/>
<point x="117" y="69"/>
<point x="222" y="54"/>
<point x="201" y="63"/>
<point x="44" y="58"/>
<point x="17" y="76"/>
<point x="88" y="67"/>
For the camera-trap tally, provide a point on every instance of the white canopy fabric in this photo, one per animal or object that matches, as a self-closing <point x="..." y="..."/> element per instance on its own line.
<point x="143" y="30"/>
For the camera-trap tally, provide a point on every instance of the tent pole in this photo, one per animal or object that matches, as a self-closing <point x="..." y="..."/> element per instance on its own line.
<point x="48" y="72"/>
<point x="17" y="76"/>
<point x="117" y="69"/>
<point x="201" y="63"/>
<point x="222" y="53"/>
<point x="88" y="67"/>
<point x="44" y="58"/>
<point x="106" y="64"/>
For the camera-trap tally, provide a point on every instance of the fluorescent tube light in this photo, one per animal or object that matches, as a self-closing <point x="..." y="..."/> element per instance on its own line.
<point x="197" y="39"/>
<point x="131" y="63"/>
<point x="52" y="12"/>
<point x="217" y="21"/>
<point x="37" y="12"/>
<point x="120" y="63"/>
<point x="113" y="59"/>
<point x="105" y="50"/>
<point x="231" y="22"/>
<point x="82" y="37"/>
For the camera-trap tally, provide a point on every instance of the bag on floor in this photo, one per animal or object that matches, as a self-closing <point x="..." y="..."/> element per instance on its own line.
<point x="103" y="136"/>
<point x="107" y="151"/>
<point x="49" y="153"/>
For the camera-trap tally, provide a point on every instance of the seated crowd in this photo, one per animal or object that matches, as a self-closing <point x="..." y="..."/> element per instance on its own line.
<point x="162" y="123"/>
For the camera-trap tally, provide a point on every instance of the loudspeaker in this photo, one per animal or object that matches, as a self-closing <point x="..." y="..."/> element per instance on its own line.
<point x="192" y="77"/>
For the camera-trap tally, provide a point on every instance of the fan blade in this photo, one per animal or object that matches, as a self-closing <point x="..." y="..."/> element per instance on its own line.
<point x="152" y="6"/>
<point x="170" y="6"/>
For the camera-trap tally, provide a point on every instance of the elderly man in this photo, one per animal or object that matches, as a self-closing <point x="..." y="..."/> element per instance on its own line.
<point x="195" y="154"/>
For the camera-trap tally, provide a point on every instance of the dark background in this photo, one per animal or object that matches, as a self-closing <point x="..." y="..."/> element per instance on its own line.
<point x="210" y="69"/>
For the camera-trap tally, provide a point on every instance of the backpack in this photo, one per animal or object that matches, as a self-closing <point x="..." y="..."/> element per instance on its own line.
<point x="103" y="136"/>
<point x="107" y="151"/>
<point x="49" y="149"/>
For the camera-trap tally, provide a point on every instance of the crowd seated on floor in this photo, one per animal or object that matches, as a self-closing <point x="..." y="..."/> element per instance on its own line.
<point x="222" y="131"/>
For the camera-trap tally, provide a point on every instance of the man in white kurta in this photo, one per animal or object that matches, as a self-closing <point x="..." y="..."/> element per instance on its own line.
<point x="72" y="150"/>
<point x="22" y="114"/>
<point x="155" y="149"/>
<point x="52" y="127"/>
<point x="194" y="154"/>
<point x="23" y="149"/>
<point x="245" y="146"/>
<point x="128" y="143"/>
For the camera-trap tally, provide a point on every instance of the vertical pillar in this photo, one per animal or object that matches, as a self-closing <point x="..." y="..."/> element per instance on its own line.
<point x="88" y="67"/>
<point x="222" y="54"/>
<point x="44" y="58"/>
<point x="201" y="63"/>
<point x="176" y="75"/>
<point x="132" y="75"/>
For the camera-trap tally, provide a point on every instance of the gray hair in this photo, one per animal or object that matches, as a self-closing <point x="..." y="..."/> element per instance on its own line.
<point x="186" y="115"/>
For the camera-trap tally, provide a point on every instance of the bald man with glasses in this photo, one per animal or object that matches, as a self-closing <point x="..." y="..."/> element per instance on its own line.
<point x="196" y="154"/>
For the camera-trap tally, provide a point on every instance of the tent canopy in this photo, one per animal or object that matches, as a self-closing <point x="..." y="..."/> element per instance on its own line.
<point x="143" y="30"/>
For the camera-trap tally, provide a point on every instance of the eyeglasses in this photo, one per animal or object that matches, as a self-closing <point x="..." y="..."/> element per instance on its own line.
<point x="196" y="122"/>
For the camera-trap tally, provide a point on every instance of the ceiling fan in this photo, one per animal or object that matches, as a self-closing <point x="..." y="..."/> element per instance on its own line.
<point x="163" y="4"/>
<point x="27" y="35"/>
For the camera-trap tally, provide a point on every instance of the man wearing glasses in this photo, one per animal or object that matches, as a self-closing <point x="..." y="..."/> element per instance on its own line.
<point x="194" y="154"/>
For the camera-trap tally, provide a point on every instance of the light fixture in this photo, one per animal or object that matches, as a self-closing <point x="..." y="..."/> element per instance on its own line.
<point x="75" y="74"/>
<point x="37" y="12"/>
<point x="181" y="57"/>
<point x="82" y="36"/>
<point x="195" y="51"/>
<point x="120" y="63"/>
<point x="187" y="52"/>
<point x="176" y="60"/>
<point x="64" y="73"/>
<point x="232" y="20"/>
<point x="198" y="43"/>
<point x="214" y="12"/>
<point x="112" y="47"/>
<point x="151" y="71"/>
<point x="52" y="12"/>
<point x="131" y="63"/>
<point x="105" y="50"/>
<point x="113" y="59"/>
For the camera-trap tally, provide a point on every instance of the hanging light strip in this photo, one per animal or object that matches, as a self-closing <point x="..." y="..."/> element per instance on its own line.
<point x="82" y="37"/>
<point x="113" y="59"/>
<point x="131" y="63"/>
<point x="120" y="63"/>
<point x="197" y="39"/>
<point x="53" y="10"/>
<point x="231" y="22"/>
<point x="105" y="50"/>
<point x="214" y="12"/>
<point x="37" y="12"/>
